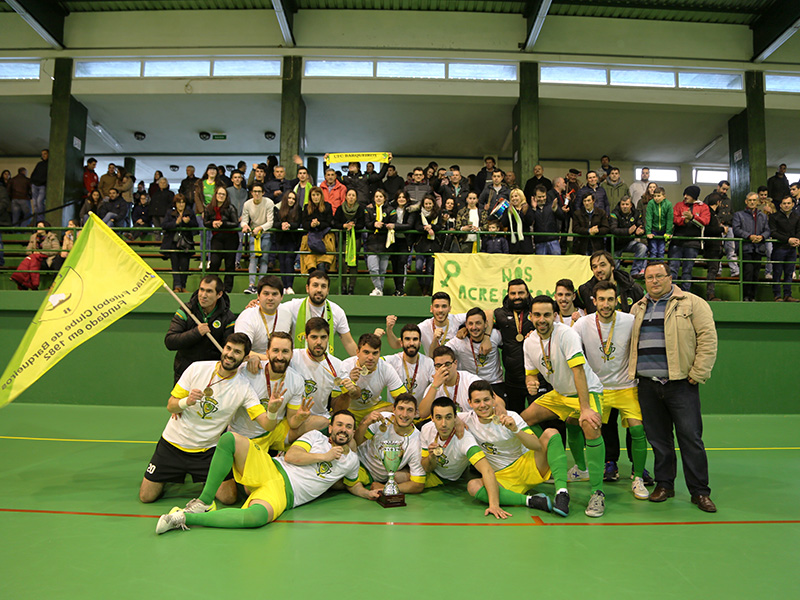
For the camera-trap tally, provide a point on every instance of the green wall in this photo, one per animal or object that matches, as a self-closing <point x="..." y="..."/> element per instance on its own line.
<point x="127" y="364"/>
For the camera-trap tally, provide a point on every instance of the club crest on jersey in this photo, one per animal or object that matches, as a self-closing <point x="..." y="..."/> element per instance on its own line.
<point x="442" y="460"/>
<point x="611" y="350"/>
<point x="323" y="468"/>
<point x="309" y="389"/>
<point x="216" y="324"/>
<point x="365" y="395"/>
<point x="489" y="448"/>
<point x="482" y="358"/>
<point x="207" y="406"/>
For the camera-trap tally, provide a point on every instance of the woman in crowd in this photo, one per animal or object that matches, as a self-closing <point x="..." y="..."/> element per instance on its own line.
<point x="318" y="244"/>
<point x="221" y="220"/>
<point x="405" y="224"/>
<point x="91" y="204"/>
<point x="429" y="225"/>
<point x="350" y="217"/>
<point x="204" y="189"/>
<point x="42" y="254"/>
<point x="471" y="219"/>
<point x="518" y="219"/>
<point x="125" y="188"/>
<point x="160" y="201"/>
<point x="178" y="242"/>
<point x="288" y="220"/>
<point x="647" y="196"/>
<point x="380" y="221"/>
<point x="155" y="184"/>
<point x="141" y="218"/>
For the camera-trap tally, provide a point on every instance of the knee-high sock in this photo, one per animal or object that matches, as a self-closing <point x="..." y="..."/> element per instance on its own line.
<point x="220" y="466"/>
<point x="256" y="515"/>
<point x="557" y="459"/>
<point x="639" y="449"/>
<point x="507" y="497"/>
<point x="596" y="459"/>
<point x="576" y="445"/>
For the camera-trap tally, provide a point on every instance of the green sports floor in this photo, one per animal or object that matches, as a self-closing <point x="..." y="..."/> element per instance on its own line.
<point x="72" y="527"/>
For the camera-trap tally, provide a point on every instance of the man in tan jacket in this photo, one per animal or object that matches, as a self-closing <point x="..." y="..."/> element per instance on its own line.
<point x="673" y="349"/>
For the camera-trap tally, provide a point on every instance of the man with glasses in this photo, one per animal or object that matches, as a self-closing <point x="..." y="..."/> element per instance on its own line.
<point x="673" y="349"/>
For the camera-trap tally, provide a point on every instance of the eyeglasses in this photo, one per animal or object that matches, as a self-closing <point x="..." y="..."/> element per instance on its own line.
<point x="447" y="364"/>
<point x="658" y="277"/>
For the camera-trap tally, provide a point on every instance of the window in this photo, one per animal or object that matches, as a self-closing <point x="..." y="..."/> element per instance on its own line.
<point x="177" y="68"/>
<point x="580" y="75"/>
<point x="496" y="72"/>
<point x="660" y="174"/>
<point x="415" y="70"/>
<point x="338" y="68"/>
<point x="19" y="70"/>
<point x="782" y="83"/>
<point x="247" y="68"/>
<point x="792" y="177"/>
<point x="108" y="68"/>
<point x="642" y="78"/>
<point x="710" y="176"/>
<point x="710" y="81"/>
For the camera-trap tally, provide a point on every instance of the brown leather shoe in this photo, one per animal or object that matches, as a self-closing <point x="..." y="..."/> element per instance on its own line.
<point x="704" y="503"/>
<point x="660" y="494"/>
<point x="790" y="299"/>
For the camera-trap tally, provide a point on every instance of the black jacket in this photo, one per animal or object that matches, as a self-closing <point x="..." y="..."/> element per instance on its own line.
<point x="545" y="221"/>
<point x="190" y="345"/>
<point x="506" y="323"/>
<point x="778" y="186"/>
<point x="620" y="223"/>
<point x="161" y="202"/>
<point x="171" y="226"/>
<point x="360" y="182"/>
<point x="782" y="228"/>
<point x="291" y="237"/>
<point x="39" y="175"/>
<point x="582" y="222"/>
<point x="628" y="293"/>
<point x="230" y="221"/>
<point x="530" y="186"/>
<point x="376" y="242"/>
<point x="712" y="249"/>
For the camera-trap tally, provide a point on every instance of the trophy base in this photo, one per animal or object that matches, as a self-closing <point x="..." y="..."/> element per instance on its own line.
<point x="392" y="500"/>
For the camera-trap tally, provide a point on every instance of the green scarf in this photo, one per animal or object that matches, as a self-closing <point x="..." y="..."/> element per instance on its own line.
<point x="515" y="222"/>
<point x="350" y="236"/>
<point x="308" y="191"/>
<point x="300" y="326"/>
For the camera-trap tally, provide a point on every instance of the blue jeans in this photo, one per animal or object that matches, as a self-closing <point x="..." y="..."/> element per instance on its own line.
<point x="784" y="259"/>
<point x="675" y="405"/>
<point x="377" y="265"/>
<point x="639" y="252"/>
<point x="21" y="212"/>
<point x="112" y="220"/>
<point x="68" y="213"/>
<point x="39" y="200"/>
<point x="685" y="266"/>
<point x="656" y="248"/>
<point x="549" y="248"/>
<point x="259" y="264"/>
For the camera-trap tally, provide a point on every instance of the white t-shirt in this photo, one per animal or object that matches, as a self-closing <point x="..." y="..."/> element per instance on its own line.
<point x="457" y="454"/>
<point x="450" y="329"/>
<point x="458" y="392"/>
<point x="423" y="368"/>
<point x="318" y="379"/>
<point x="293" y="386"/>
<point x="485" y="366"/>
<point x="370" y="456"/>
<point x="311" y="481"/>
<point x="565" y="349"/>
<point x="569" y="320"/>
<point x="612" y="369"/>
<point x="372" y="385"/>
<point x="259" y="326"/>
<point x="501" y="445"/>
<point x="201" y="425"/>
<point x="340" y="324"/>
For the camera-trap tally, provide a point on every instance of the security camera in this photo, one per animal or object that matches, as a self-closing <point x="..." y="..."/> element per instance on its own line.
<point x="205" y="136"/>
<point x="270" y="135"/>
<point x="174" y="168"/>
<point x="139" y="135"/>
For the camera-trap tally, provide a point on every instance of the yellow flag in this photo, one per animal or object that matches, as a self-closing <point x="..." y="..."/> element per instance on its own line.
<point x="482" y="279"/>
<point x="102" y="280"/>
<point x="342" y="157"/>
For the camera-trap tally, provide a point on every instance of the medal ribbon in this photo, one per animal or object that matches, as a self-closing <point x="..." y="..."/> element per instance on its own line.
<point x="546" y="355"/>
<point x="606" y="346"/>
<point x="216" y="369"/>
<point x="411" y="381"/>
<point x="264" y="320"/>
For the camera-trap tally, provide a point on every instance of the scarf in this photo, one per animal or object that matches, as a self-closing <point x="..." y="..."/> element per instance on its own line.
<point x="425" y="214"/>
<point x="350" y="236"/>
<point x="306" y="195"/>
<point x="515" y="223"/>
<point x="300" y="326"/>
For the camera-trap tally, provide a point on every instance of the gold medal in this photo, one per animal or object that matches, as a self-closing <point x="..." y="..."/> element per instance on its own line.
<point x="337" y="381"/>
<point x="208" y="392"/>
<point x="364" y="371"/>
<point x="520" y="337"/>
<point x="496" y="419"/>
<point x="382" y="427"/>
<point x="438" y="451"/>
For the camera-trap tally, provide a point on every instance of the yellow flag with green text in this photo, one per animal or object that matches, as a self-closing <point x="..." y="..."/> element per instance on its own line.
<point x="101" y="280"/>
<point x="482" y="279"/>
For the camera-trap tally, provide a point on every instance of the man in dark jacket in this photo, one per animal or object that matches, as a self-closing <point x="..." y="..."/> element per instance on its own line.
<point x="456" y="188"/>
<point x="537" y="180"/>
<point x="545" y="221"/>
<point x="393" y="182"/>
<point x="784" y="226"/>
<point x="778" y="185"/>
<point x="484" y="176"/>
<point x="188" y="184"/>
<point x="752" y="225"/>
<point x="211" y="305"/>
<point x="588" y="220"/>
<point x="593" y="187"/>
<point x="19" y="189"/>
<point x="689" y="216"/>
<point x="725" y="215"/>
<point x="359" y="181"/>
<point x="513" y="321"/>
<point x="626" y="224"/>
<point x="417" y="188"/>
<point x="39" y="189"/>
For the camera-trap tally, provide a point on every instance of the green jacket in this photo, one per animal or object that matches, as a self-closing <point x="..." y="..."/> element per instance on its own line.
<point x="658" y="217"/>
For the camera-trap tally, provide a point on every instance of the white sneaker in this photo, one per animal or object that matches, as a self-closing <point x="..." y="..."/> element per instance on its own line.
<point x="196" y="506"/>
<point x="376" y="292"/>
<point x="575" y="474"/>
<point x="768" y="276"/>
<point x="175" y="519"/>
<point x="639" y="491"/>
<point x="794" y="276"/>
<point x="597" y="505"/>
<point x="288" y="292"/>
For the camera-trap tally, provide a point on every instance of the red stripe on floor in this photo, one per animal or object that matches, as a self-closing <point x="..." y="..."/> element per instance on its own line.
<point x="67" y="512"/>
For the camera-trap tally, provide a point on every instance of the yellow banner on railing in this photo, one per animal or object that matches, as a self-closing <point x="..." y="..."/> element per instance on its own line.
<point x="347" y="157"/>
<point x="482" y="279"/>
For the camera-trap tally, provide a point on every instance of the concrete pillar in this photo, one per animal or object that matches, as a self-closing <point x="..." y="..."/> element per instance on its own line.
<point x="747" y="140"/>
<point x="525" y="123"/>
<point x="293" y="114"/>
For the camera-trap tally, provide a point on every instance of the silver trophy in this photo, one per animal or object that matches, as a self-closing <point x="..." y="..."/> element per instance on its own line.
<point x="391" y="452"/>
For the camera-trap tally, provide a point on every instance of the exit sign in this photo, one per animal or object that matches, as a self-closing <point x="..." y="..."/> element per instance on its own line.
<point x="219" y="136"/>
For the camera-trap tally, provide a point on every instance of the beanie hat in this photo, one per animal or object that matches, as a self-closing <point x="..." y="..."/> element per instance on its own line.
<point x="692" y="191"/>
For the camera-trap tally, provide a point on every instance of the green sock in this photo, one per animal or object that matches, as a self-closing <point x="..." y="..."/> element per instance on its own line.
<point x="220" y="466"/>
<point x="256" y="515"/>
<point x="557" y="459"/>
<point x="576" y="445"/>
<point x="507" y="497"/>
<point x="638" y="449"/>
<point x="596" y="459"/>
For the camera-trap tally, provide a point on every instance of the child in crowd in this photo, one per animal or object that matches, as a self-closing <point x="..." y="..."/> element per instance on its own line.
<point x="494" y="243"/>
<point x="141" y="218"/>
<point x="658" y="223"/>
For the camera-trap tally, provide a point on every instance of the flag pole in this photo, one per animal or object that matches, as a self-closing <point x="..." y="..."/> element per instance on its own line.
<point x="191" y="314"/>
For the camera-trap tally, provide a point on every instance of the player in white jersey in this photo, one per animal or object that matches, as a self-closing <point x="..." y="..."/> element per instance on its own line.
<point x="316" y="304"/>
<point x="555" y="351"/>
<point x="449" y="381"/>
<point x="204" y="400"/>
<point x="567" y="313"/>
<point x="606" y="337"/>
<point x="323" y="374"/>
<point x="276" y="378"/>
<point x="263" y="319"/>
<point x="395" y="426"/>
<point x="518" y="457"/>
<point x="470" y="354"/>
<point x="445" y="456"/>
<point x="310" y="467"/>
<point x="414" y="369"/>
<point x="367" y="376"/>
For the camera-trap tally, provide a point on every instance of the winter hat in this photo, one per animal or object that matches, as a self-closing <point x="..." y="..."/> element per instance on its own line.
<point x="692" y="191"/>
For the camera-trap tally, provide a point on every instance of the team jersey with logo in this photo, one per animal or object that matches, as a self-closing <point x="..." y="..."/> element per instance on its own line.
<point x="457" y="454"/>
<point x="318" y="378"/>
<point x="311" y="481"/>
<point x="470" y="358"/>
<point x="424" y="373"/>
<point x="200" y="426"/>
<point x="611" y="368"/>
<point x="370" y="455"/>
<point x="458" y="391"/>
<point x="450" y="329"/>
<point x="501" y="445"/>
<point x="565" y="350"/>
<point x="293" y="395"/>
<point x="340" y="324"/>
<point x="259" y="326"/>
<point x="372" y="385"/>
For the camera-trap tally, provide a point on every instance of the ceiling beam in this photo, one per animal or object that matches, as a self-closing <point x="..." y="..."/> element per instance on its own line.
<point x="774" y="27"/>
<point x="536" y="16"/>
<point x="284" y="12"/>
<point x="45" y="17"/>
